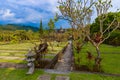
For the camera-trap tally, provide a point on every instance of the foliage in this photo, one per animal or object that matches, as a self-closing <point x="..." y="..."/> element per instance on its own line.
<point x="78" y="13"/>
<point x="110" y="17"/>
<point x="51" y="25"/>
<point x="18" y="36"/>
<point x="104" y="30"/>
<point x="41" y="28"/>
<point x="113" y="39"/>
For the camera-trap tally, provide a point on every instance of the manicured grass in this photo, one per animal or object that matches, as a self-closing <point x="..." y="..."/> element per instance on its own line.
<point x="110" y="57"/>
<point x="17" y="46"/>
<point x="20" y="74"/>
<point x="12" y="61"/>
<point x="20" y="49"/>
<point x="27" y="46"/>
<point x="103" y="48"/>
<point x="12" y="54"/>
<point x="111" y="63"/>
<point x="83" y="76"/>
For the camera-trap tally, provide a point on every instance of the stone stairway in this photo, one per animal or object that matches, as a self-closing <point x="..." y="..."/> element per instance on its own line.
<point x="65" y="63"/>
<point x="48" y="77"/>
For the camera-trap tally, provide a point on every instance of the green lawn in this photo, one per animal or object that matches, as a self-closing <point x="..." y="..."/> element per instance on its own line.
<point x="20" y="49"/>
<point x="17" y="46"/>
<point x="110" y="62"/>
<point x="83" y="76"/>
<point x="110" y="57"/>
<point x="20" y="74"/>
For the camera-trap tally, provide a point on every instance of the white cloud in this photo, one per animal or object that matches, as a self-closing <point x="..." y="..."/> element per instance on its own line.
<point x="33" y="15"/>
<point x="48" y="5"/>
<point x="21" y="11"/>
<point x="8" y="15"/>
<point x="35" y="9"/>
<point x="5" y="14"/>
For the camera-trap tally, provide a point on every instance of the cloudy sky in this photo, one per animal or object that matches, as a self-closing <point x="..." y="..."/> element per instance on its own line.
<point x="31" y="11"/>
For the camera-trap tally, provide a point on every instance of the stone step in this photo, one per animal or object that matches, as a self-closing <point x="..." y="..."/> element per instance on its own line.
<point x="48" y="77"/>
<point x="44" y="77"/>
<point x="53" y="71"/>
<point x="62" y="78"/>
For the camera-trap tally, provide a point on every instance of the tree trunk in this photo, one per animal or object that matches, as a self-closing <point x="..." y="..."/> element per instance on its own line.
<point x="98" y="52"/>
<point x="98" y="60"/>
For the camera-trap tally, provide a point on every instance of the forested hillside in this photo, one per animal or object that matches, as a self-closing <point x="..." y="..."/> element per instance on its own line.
<point x="14" y="27"/>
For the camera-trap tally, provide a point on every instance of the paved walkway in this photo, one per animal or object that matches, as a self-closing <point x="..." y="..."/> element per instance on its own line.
<point x="65" y="63"/>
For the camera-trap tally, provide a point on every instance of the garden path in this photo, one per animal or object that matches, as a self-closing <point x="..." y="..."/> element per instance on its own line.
<point x="65" y="63"/>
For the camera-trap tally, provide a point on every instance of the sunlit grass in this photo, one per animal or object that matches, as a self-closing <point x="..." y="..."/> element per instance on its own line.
<point x="110" y="57"/>
<point x="17" y="46"/>
<point x="85" y="76"/>
<point x="12" y="61"/>
<point x="20" y="74"/>
<point x="20" y="49"/>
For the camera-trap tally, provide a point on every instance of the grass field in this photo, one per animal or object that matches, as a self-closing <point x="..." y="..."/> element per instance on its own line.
<point x="20" y="49"/>
<point x="110" y="57"/>
<point x="109" y="54"/>
<point x="19" y="74"/>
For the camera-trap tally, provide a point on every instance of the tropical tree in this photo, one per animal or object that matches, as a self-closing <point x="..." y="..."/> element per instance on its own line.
<point x="51" y="25"/>
<point x="41" y="28"/>
<point x="113" y="39"/>
<point x="104" y="33"/>
<point x="78" y="13"/>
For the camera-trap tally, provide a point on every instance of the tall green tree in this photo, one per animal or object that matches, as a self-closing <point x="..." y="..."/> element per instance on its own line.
<point x="51" y="25"/>
<point x="41" y="28"/>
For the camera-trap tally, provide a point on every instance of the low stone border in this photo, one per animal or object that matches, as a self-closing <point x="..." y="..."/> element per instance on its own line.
<point x="62" y="78"/>
<point x="12" y="65"/>
<point x="44" y="77"/>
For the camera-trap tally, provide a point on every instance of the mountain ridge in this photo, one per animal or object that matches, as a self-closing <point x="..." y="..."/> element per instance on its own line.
<point x="13" y="27"/>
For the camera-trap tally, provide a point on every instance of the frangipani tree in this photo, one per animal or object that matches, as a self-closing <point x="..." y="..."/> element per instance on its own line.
<point x="102" y="7"/>
<point x="78" y="13"/>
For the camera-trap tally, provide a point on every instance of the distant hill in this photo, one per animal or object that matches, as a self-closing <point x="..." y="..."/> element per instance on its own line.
<point x="14" y="27"/>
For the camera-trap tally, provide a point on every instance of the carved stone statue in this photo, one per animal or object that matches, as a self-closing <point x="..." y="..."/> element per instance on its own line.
<point x="30" y="59"/>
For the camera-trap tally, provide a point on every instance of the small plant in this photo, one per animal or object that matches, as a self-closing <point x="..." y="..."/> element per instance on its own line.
<point x="97" y="66"/>
<point x="90" y="58"/>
